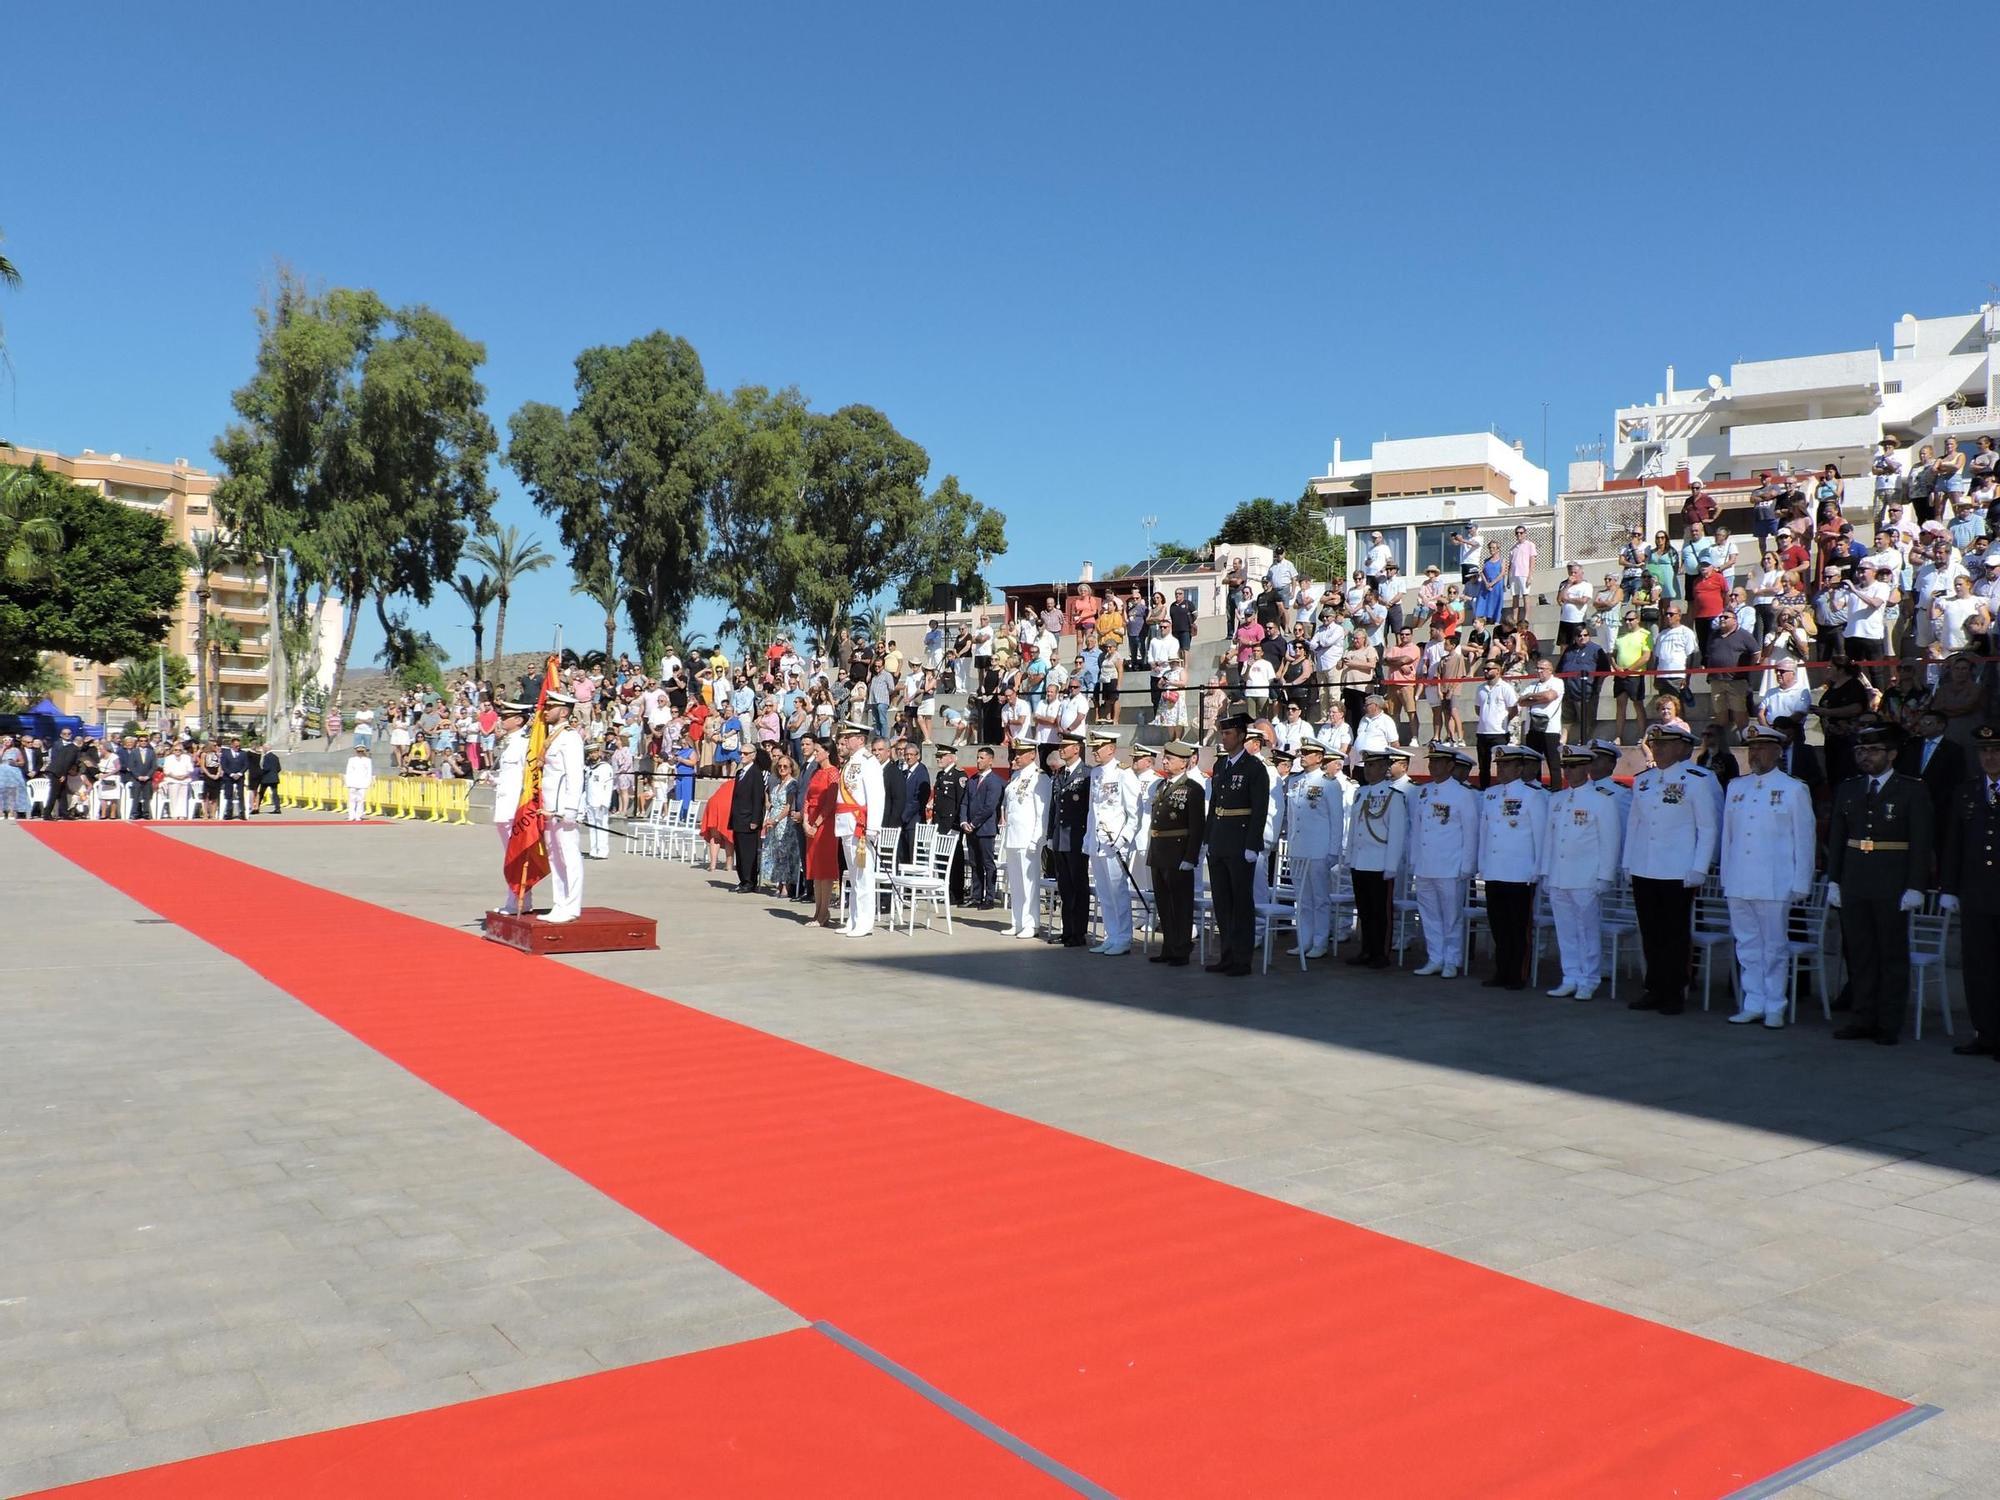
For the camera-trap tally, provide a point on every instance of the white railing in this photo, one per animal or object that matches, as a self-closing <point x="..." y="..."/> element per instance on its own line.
<point x="1968" y="416"/>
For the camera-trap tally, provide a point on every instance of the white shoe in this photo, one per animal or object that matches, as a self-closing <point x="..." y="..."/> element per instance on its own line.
<point x="1315" y="953"/>
<point x="1585" y="992"/>
<point x="1427" y="970"/>
<point x="1562" y="991"/>
<point x="1775" y="1020"/>
<point x="1745" y="1017"/>
<point x="1447" y="972"/>
<point x="1097" y="947"/>
<point x="554" y="921"/>
<point x="1112" y="952"/>
<point x="1293" y="951"/>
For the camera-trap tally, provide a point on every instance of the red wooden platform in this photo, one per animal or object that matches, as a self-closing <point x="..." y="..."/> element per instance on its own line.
<point x="598" y="930"/>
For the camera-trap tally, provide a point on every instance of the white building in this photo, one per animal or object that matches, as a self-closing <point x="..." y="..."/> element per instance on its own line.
<point x="1418" y="491"/>
<point x="1941" y="380"/>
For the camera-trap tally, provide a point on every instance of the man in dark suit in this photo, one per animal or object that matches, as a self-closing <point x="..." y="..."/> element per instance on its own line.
<point x="1069" y="818"/>
<point x="979" y="821"/>
<point x="746" y="821"/>
<point x="1937" y="762"/>
<point x="62" y="765"/>
<point x="916" y="797"/>
<point x="947" y="803"/>
<point x="267" y="769"/>
<point x="137" y="768"/>
<point x="1799" y="760"/>
<point x="235" y="766"/>
<point x="1239" y="798"/>
<point x="1970" y="882"/>
<point x="1878" y="859"/>
<point x="894" y="774"/>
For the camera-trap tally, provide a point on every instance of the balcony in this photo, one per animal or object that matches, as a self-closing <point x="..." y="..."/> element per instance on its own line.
<point x="1960" y="421"/>
<point x="1830" y="435"/>
<point x="1790" y="378"/>
<point x="245" y="676"/>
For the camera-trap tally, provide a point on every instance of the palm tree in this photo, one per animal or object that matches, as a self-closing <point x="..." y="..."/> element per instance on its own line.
<point x="138" y="681"/>
<point x="212" y="552"/>
<point x="222" y="634"/>
<point x="609" y="593"/>
<point x="478" y="594"/>
<point x="10" y="276"/>
<point x="28" y="544"/>
<point x="508" y="558"/>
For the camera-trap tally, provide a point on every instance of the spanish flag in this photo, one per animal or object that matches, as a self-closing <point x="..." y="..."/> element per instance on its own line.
<point x="527" y="860"/>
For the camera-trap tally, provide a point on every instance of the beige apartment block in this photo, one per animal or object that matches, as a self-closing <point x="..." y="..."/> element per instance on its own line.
<point x="184" y="495"/>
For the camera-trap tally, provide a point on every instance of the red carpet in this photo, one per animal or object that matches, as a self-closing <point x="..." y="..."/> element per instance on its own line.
<point x="1161" y="1333"/>
<point x="789" y="1415"/>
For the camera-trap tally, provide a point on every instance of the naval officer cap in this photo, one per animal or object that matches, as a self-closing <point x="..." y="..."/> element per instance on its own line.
<point x="1281" y="753"/>
<point x="1075" y="739"/>
<point x="1464" y="757"/>
<point x="1020" y="748"/>
<point x="1520" y="752"/>
<point x="1441" y="747"/>
<point x="1986" y="737"/>
<point x="1142" y="752"/>
<point x="1378" y="754"/>
<point x="1309" y="743"/>
<point x="564" y="699"/>
<point x="1578" y="755"/>
<point x="1880" y="736"/>
<point x="1766" y="734"/>
<point x="1672" y="732"/>
<point x="1609" y="749"/>
<point x="509" y="706"/>
<point x="849" y="726"/>
<point x="1100" y="739"/>
<point x="1399" y="752"/>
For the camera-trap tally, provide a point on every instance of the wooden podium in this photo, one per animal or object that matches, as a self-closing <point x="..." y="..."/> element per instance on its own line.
<point x="598" y="930"/>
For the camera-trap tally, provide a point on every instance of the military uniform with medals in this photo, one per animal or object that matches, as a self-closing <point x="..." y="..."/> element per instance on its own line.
<point x="1239" y="800"/>
<point x="1069" y="819"/>
<point x="1173" y="844"/>
<point x="1878" y="856"/>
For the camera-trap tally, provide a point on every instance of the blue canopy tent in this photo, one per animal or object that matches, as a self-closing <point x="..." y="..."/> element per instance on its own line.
<point x="44" y="721"/>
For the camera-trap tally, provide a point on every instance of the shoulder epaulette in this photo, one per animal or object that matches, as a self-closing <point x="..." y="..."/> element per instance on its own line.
<point x="1699" y="771"/>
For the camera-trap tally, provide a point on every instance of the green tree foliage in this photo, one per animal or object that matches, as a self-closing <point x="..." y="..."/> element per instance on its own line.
<point x="138" y="678"/>
<point x="110" y="590"/>
<point x="43" y="680"/>
<point x="754" y="461"/>
<point x="10" y="277"/>
<point x="410" y="656"/>
<point x="478" y="595"/>
<point x="955" y="538"/>
<point x="620" y="474"/>
<point x="1299" y="528"/>
<point x="604" y="588"/>
<point x="1178" y="555"/>
<point x="860" y="515"/>
<point x="362" y="448"/>
<point x="509" y="558"/>
<point x="29" y="542"/>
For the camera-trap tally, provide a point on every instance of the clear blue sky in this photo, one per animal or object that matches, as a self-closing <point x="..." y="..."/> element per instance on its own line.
<point x="1101" y="260"/>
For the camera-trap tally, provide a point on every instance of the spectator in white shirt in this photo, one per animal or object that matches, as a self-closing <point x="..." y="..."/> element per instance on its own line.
<point x="1495" y="704"/>
<point x="1280" y="574"/>
<point x="1334" y="733"/>
<point x="1789" y="699"/>
<point x="1866" y="602"/>
<point x="1257" y="679"/>
<point x="1289" y="730"/>
<point x="1572" y="604"/>
<point x="1675" y="647"/>
<point x="1376" y="731"/>
<point x="1722" y="551"/>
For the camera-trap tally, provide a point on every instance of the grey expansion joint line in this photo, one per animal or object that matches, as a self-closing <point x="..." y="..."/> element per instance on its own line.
<point x="951" y="1406"/>
<point x="1861" y="1442"/>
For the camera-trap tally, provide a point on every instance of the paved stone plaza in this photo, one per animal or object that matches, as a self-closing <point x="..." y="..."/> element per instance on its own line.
<point x="224" y="1220"/>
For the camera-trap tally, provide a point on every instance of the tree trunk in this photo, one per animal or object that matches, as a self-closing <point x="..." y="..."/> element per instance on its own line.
<point x="610" y="635"/>
<point x="499" y="626"/>
<point x="346" y="642"/>
<point x="478" y="646"/>
<point x="204" y="699"/>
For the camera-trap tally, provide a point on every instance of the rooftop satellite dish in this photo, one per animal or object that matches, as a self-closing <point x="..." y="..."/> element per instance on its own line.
<point x="1715" y="384"/>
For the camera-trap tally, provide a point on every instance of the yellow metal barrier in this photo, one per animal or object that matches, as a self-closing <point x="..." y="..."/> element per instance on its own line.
<point x="406" y="798"/>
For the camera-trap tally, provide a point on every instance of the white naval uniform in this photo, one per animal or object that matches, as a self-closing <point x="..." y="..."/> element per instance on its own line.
<point x="1274" y="819"/>
<point x="1378" y="829"/>
<point x="1767" y="864"/>
<point x="1511" y="842"/>
<point x="597" y="784"/>
<point x="508" y="775"/>
<point x="1315" y="840"/>
<point x="562" y="804"/>
<point x="1444" y="847"/>
<point x="1024" y="822"/>
<point x="861" y="785"/>
<point x="1109" y="836"/>
<point x="1673" y="823"/>
<point x="1622" y="793"/>
<point x="359" y="776"/>
<point x="1579" y="863"/>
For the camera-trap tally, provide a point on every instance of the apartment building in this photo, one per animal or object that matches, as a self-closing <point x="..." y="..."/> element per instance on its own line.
<point x="1941" y="379"/>
<point x="184" y="496"/>
<point x="1418" y="491"/>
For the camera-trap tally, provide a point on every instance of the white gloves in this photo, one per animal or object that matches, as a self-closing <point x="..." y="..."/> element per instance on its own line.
<point x="1693" y="882"/>
<point x="1186" y="868"/>
<point x="1947" y="903"/>
<point x="1251" y="856"/>
<point x="1797" y="896"/>
<point x="1833" y="895"/>
<point x="1912" y="901"/>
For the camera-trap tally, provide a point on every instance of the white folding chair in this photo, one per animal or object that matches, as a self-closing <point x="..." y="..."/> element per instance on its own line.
<point x="38" y="794"/>
<point x="1544" y="922"/>
<point x="1619" y="920"/>
<point x="929" y="883"/>
<point x="1708" y="930"/>
<point x="1280" y="913"/>
<point x="1805" y="946"/>
<point x="1929" y="928"/>
<point x="882" y="849"/>
<point x="646" y="835"/>
<point x="1403" y="916"/>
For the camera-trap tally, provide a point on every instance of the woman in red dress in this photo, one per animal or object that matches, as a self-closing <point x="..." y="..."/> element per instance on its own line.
<point x="715" y="825"/>
<point x="822" y="848"/>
